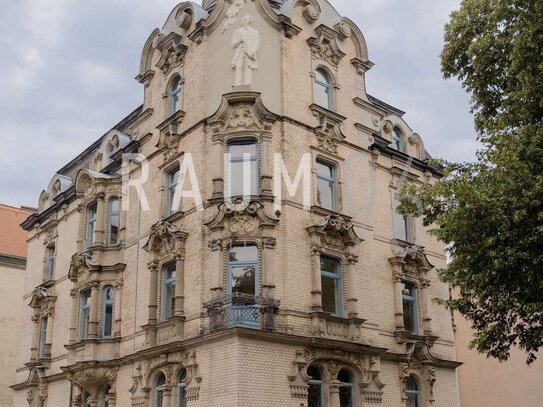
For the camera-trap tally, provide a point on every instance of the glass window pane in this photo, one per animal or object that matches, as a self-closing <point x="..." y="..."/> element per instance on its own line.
<point x="242" y="168"/>
<point x="243" y="253"/>
<point x="239" y="150"/>
<point x="325" y="194"/>
<point x="329" y="295"/>
<point x="108" y="320"/>
<point x="346" y="396"/>
<point x="325" y="170"/>
<point x="243" y="279"/>
<point x="329" y="264"/>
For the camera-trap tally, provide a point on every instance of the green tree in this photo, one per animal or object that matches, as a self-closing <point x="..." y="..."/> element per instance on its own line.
<point x="490" y="212"/>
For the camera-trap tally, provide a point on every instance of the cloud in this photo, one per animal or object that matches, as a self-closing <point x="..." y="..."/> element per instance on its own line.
<point x="67" y="72"/>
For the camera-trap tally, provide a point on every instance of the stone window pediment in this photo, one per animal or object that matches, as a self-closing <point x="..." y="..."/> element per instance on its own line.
<point x="172" y="52"/>
<point x="329" y="134"/>
<point x="43" y="301"/>
<point x="325" y="46"/>
<point x="336" y="232"/>
<point x="165" y="239"/>
<point x="242" y="218"/>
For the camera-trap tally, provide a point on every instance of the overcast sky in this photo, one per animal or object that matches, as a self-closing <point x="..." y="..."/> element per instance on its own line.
<point x="68" y="66"/>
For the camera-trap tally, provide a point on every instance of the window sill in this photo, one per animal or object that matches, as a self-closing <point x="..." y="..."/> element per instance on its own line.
<point x="171" y="123"/>
<point x="403" y="336"/>
<point x="319" y="210"/>
<point x="320" y="111"/>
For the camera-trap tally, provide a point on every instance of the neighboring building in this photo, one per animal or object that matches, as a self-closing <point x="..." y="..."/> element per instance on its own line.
<point x="12" y="279"/>
<point x="487" y="382"/>
<point x="324" y="301"/>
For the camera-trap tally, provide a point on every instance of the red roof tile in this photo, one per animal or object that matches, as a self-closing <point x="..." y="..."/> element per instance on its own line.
<point x="12" y="236"/>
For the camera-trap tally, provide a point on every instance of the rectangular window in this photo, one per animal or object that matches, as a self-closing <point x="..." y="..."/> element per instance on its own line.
<point x="43" y="336"/>
<point x="410" y="309"/>
<point x="168" y="290"/>
<point x="326" y="186"/>
<point x="173" y="180"/>
<point x="114" y="220"/>
<point x="91" y="224"/>
<point x="332" y="298"/>
<point x="243" y="270"/>
<point x="84" y="314"/>
<point x="49" y="263"/>
<point x="403" y="224"/>
<point x="242" y="169"/>
<point x="107" y="312"/>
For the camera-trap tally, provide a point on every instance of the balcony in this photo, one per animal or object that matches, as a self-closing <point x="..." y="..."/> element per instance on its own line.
<point x="240" y="310"/>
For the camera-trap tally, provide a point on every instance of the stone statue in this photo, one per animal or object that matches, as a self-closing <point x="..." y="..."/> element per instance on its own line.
<point x="246" y="41"/>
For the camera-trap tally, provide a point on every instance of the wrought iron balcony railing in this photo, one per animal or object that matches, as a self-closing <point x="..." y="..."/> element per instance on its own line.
<point x="242" y="310"/>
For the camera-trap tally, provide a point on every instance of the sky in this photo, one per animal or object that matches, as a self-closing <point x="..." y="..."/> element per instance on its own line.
<point x="68" y="66"/>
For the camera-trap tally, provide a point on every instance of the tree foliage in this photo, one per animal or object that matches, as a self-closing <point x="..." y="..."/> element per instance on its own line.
<point x="490" y="212"/>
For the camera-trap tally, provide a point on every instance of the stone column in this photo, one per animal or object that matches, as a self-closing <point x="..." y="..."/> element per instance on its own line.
<point x="352" y="260"/>
<point x="35" y="338"/>
<point x="93" y="315"/>
<point x="398" y="302"/>
<point x="217" y="267"/>
<point x="81" y="232"/>
<point x="180" y="285"/>
<point x="118" y="305"/>
<point x="334" y="393"/>
<point x="166" y="396"/>
<point x="316" y="284"/>
<point x="73" y="321"/>
<point x="268" y="267"/>
<point x="153" y="292"/>
<point x="218" y="168"/>
<point x="426" y="320"/>
<point x="265" y="165"/>
<point x="99" y="231"/>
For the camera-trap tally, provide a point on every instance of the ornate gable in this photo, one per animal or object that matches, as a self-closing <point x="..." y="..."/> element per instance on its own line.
<point x="241" y="111"/>
<point x="325" y="46"/>
<point x="242" y="218"/>
<point x="172" y="52"/>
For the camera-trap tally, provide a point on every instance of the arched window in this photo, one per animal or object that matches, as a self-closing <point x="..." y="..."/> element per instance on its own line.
<point x="49" y="263"/>
<point x="242" y="168"/>
<point x="104" y="396"/>
<point x="91" y="224"/>
<point x="346" y="391"/>
<point x="159" y="384"/>
<point x="43" y="336"/>
<point x="243" y="270"/>
<point x="412" y="392"/>
<point x="84" y="314"/>
<point x="114" y="220"/>
<point x="182" y="388"/>
<point x="107" y="312"/>
<point x="110" y="150"/>
<point x="315" y="392"/>
<point x="323" y="89"/>
<point x="332" y="298"/>
<point x="168" y="290"/>
<point x="86" y="400"/>
<point x="397" y="140"/>
<point x="172" y="181"/>
<point x="174" y="95"/>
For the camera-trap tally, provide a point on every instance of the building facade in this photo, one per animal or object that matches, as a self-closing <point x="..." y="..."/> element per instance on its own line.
<point x="12" y="280"/>
<point x="250" y="291"/>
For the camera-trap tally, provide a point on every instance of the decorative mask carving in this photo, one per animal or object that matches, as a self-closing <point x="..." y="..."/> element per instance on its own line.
<point x="165" y="238"/>
<point x="336" y="232"/>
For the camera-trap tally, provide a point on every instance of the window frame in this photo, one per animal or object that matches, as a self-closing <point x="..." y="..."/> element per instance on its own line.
<point x="172" y="183"/>
<point x="158" y="390"/>
<point x="255" y="178"/>
<point x="110" y="224"/>
<point x="350" y="385"/>
<point x="84" y="311"/>
<point x="327" y="85"/>
<point x="166" y="284"/>
<point x="338" y="277"/>
<point x="92" y="209"/>
<point x="50" y="258"/>
<point x="413" y="299"/>
<point x="175" y="95"/>
<point x="417" y="393"/>
<point x="398" y="139"/>
<point x="181" y="394"/>
<point x="105" y="304"/>
<point x="333" y="181"/>
<point x="319" y="383"/>
<point x="243" y="263"/>
<point x="43" y="336"/>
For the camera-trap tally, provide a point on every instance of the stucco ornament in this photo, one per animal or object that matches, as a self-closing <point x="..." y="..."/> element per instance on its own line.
<point x="232" y="13"/>
<point x="246" y="42"/>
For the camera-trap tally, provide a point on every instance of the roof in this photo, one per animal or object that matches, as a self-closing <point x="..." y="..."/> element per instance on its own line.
<point x="12" y="236"/>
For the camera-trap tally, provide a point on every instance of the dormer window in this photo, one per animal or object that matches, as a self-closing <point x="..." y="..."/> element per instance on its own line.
<point x="110" y="150"/>
<point x="323" y="89"/>
<point x="174" y="95"/>
<point x="397" y="140"/>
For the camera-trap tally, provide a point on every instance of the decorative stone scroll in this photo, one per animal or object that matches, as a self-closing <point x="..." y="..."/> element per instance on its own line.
<point x="165" y="238"/>
<point x="336" y="231"/>
<point x="325" y="46"/>
<point x="366" y="368"/>
<point x="81" y="267"/>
